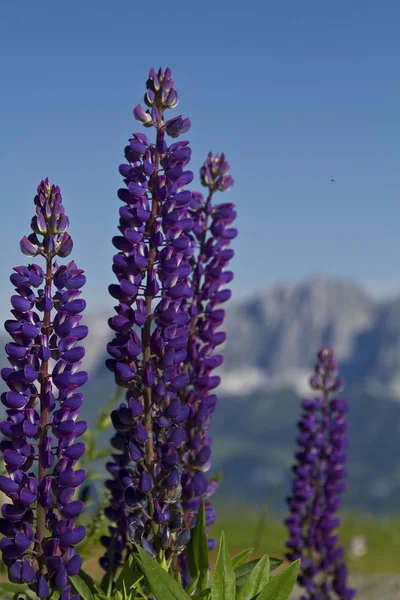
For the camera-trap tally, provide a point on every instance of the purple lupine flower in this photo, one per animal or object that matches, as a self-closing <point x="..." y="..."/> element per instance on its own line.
<point x="42" y="407"/>
<point x="151" y="328"/>
<point x="213" y="233"/>
<point x="319" y="481"/>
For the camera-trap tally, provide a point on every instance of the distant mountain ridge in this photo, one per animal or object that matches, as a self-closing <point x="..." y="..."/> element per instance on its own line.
<point x="273" y="337"/>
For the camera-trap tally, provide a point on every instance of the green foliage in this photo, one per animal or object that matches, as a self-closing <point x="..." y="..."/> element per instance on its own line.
<point x="241" y="558"/>
<point x="244" y="570"/>
<point x="223" y="585"/>
<point x="280" y="586"/>
<point x="82" y="584"/>
<point x="161" y="583"/>
<point x="16" y="592"/>
<point x="256" y="581"/>
<point x="94" y="530"/>
<point x="129" y="577"/>
<point x="94" y="452"/>
<point x="197" y="553"/>
<point x="233" y="579"/>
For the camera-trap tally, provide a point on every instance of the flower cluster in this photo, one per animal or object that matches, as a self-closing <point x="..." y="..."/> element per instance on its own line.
<point x="319" y="476"/>
<point x="151" y="328"/>
<point x="39" y="448"/>
<point x="213" y="233"/>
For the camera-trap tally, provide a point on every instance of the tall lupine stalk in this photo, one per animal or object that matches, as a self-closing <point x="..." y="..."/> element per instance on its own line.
<point x="319" y="476"/>
<point x="151" y="328"/>
<point x="42" y="405"/>
<point x="213" y="233"/>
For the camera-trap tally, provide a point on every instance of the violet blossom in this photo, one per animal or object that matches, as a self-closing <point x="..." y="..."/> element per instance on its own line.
<point x="151" y="327"/>
<point x="319" y="482"/>
<point x="40" y="447"/>
<point x="213" y="233"/>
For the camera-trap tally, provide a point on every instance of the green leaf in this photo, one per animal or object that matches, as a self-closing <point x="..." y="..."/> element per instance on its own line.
<point x="190" y="588"/>
<point x="256" y="581"/>
<point x="13" y="588"/>
<point x="223" y="586"/>
<point x="101" y="597"/>
<point x="80" y="586"/>
<point x="242" y="572"/>
<point x="162" y="585"/>
<point x="280" y="586"/>
<point x="203" y="594"/>
<point x="241" y="558"/>
<point x="91" y="584"/>
<point x="274" y="563"/>
<point x="129" y="576"/>
<point x="197" y="552"/>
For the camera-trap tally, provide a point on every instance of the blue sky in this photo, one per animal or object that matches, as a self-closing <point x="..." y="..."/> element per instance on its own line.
<point x="294" y="92"/>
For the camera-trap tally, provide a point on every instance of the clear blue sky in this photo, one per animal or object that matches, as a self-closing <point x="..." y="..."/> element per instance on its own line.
<point x="295" y="92"/>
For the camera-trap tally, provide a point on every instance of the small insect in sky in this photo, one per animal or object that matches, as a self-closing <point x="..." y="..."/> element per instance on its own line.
<point x="332" y="180"/>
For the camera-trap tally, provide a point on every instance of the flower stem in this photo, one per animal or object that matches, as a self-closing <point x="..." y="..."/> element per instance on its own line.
<point x="43" y="377"/>
<point x="149" y="446"/>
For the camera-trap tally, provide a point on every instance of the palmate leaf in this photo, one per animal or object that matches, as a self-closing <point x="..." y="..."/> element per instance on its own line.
<point x="280" y="586"/>
<point x="162" y="585"/>
<point x="256" y="581"/>
<point x="223" y="585"/>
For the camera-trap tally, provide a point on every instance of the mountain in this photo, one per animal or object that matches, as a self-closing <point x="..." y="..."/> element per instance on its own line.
<point x="273" y="337"/>
<point x="272" y="341"/>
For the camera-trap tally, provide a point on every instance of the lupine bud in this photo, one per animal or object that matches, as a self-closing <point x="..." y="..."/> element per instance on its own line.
<point x="151" y="327"/>
<point x="41" y="407"/>
<point x="215" y="173"/>
<point x="317" y="486"/>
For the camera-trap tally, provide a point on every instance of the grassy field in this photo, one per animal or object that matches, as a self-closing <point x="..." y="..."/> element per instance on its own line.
<point x="245" y="530"/>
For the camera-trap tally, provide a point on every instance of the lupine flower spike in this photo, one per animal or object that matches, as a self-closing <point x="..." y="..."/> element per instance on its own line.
<point x="42" y="406"/>
<point x="319" y="481"/>
<point x="151" y="328"/>
<point x="213" y="234"/>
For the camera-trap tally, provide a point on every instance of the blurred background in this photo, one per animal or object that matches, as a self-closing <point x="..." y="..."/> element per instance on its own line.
<point x="303" y="97"/>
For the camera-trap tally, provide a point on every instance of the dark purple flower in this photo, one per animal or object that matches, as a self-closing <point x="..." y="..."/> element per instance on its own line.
<point x="319" y="476"/>
<point x="213" y="233"/>
<point x="151" y="326"/>
<point x="42" y="405"/>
